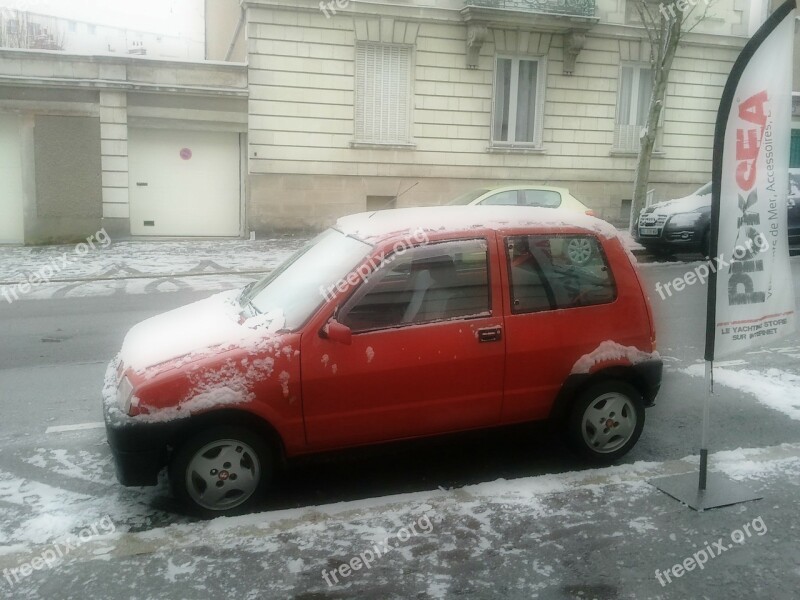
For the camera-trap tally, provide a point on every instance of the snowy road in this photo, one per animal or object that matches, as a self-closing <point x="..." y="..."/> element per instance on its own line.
<point x="551" y="531"/>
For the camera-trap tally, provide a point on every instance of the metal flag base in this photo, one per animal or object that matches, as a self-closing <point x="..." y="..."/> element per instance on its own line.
<point x="721" y="491"/>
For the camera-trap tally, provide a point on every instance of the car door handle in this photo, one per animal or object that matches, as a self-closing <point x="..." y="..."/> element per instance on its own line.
<point x="492" y="334"/>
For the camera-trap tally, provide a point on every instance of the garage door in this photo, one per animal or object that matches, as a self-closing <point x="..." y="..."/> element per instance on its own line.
<point x="184" y="183"/>
<point x="11" y="230"/>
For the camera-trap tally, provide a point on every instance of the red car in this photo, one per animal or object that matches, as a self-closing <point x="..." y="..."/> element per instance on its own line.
<point x="391" y="325"/>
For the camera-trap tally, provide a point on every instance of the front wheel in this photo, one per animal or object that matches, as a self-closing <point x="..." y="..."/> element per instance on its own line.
<point x="606" y="421"/>
<point x="221" y="471"/>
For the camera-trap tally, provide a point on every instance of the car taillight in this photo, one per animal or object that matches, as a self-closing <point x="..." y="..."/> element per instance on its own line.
<point x="590" y="212"/>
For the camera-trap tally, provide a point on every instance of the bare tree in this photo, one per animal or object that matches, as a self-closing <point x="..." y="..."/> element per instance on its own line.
<point x="665" y="24"/>
<point x="18" y="31"/>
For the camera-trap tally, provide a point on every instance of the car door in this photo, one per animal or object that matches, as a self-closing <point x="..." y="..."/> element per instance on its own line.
<point x="557" y="312"/>
<point x="427" y="351"/>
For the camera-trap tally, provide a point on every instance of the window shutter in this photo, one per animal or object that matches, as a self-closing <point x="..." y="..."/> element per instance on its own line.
<point x="361" y="91"/>
<point x="383" y="90"/>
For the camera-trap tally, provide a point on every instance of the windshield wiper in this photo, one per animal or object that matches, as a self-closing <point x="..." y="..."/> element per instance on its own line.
<point x="244" y="297"/>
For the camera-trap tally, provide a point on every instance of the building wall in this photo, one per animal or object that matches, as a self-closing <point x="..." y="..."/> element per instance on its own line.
<point x="305" y="172"/>
<point x="74" y="114"/>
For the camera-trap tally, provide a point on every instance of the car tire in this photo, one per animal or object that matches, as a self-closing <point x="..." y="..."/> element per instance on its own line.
<point x="579" y="251"/>
<point x="606" y="421"/>
<point x="221" y="471"/>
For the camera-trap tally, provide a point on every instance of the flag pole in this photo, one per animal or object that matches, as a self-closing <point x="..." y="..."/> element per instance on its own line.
<point x="702" y="484"/>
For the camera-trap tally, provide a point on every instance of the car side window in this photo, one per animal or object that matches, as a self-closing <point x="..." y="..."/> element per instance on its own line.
<point x="541" y="198"/>
<point x="435" y="282"/>
<point x="508" y="198"/>
<point x="557" y="272"/>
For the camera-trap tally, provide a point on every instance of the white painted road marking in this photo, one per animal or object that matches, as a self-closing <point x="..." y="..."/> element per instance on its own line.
<point x="79" y="427"/>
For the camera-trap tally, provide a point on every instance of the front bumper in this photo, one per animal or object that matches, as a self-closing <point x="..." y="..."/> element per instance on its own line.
<point x="671" y="238"/>
<point x="140" y="449"/>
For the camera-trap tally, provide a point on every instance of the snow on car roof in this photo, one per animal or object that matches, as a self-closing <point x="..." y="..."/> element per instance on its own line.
<point x="374" y="226"/>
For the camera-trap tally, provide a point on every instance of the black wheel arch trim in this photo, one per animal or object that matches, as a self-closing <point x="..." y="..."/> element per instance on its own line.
<point x="644" y="376"/>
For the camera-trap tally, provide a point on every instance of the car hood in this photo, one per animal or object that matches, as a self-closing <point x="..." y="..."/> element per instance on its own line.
<point x="681" y="205"/>
<point x="193" y="331"/>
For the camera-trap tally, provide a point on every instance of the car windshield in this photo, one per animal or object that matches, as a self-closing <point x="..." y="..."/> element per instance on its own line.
<point x="705" y="190"/>
<point x="296" y="289"/>
<point x="467" y="197"/>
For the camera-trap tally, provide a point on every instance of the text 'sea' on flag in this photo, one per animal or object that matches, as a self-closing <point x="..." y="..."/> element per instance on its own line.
<point x="751" y="297"/>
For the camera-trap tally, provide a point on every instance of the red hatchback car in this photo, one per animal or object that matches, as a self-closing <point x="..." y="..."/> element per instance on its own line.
<point x="391" y="325"/>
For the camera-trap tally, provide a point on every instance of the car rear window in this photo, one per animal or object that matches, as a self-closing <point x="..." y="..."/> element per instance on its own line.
<point x="557" y="272"/>
<point x="541" y="198"/>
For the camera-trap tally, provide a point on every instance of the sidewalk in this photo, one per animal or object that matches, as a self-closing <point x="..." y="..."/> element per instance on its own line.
<point x="138" y="267"/>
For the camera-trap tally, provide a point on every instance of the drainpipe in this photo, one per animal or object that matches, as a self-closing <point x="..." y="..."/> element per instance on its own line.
<point x="236" y="34"/>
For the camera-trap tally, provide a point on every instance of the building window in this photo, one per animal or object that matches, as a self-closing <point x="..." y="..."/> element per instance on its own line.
<point x="633" y="104"/>
<point x="92" y="29"/>
<point x="73" y="26"/>
<point x="518" y="112"/>
<point x="383" y="93"/>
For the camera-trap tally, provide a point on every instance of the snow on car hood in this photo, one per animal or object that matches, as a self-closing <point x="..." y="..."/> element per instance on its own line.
<point x="681" y="205"/>
<point x="194" y="329"/>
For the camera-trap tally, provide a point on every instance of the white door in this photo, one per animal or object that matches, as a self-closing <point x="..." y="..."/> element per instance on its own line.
<point x="184" y="183"/>
<point x="11" y="195"/>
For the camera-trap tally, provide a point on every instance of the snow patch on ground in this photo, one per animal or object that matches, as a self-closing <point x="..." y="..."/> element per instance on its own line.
<point x="774" y="388"/>
<point x="84" y="465"/>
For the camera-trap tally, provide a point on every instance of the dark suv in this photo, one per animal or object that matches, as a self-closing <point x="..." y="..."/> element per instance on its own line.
<point x="683" y="225"/>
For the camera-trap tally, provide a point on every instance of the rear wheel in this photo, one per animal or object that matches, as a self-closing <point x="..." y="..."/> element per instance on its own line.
<point x="221" y="471"/>
<point x="606" y="421"/>
<point x="579" y="250"/>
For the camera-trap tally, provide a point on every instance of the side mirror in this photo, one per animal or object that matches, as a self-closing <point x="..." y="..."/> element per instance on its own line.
<point x="336" y="332"/>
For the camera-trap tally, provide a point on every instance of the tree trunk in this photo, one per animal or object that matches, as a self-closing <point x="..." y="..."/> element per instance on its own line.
<point x="662" y="57"/>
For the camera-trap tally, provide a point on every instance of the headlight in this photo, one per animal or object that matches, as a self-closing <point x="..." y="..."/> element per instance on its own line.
<point x="685" y="219"/>
<point x="124" y="394"/>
